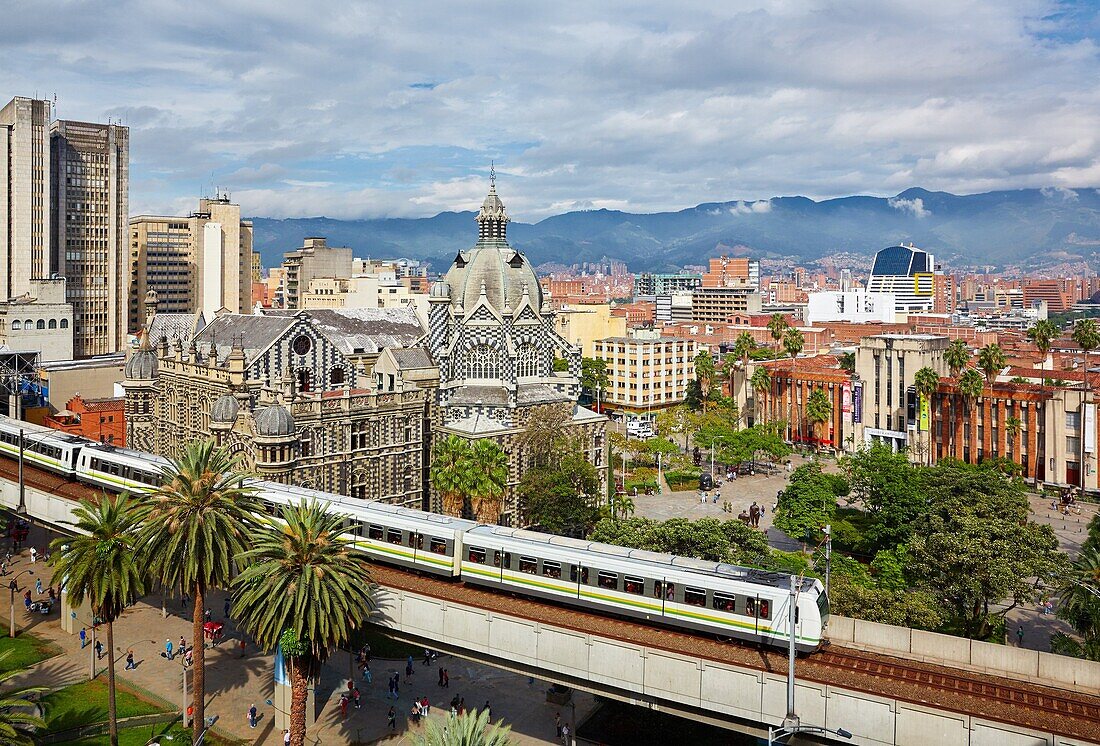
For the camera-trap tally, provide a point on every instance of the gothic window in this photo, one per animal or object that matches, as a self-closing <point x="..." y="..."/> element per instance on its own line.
<point x="359" y="434"/>
<point x="359" y="484"/>
<point x="302" y="344"/>
<point x="305" y="379"/>
<point x="305" y="444"/>
<point x="527" y="362"/>
<point x="481" y="362"/>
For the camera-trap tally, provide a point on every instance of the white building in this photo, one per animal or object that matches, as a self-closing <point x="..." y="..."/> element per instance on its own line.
<point x="909" y="274"/>
<point x="853" y="306"/>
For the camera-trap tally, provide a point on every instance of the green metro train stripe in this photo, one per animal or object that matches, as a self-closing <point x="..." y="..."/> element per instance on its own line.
<point x="391" y="549"/>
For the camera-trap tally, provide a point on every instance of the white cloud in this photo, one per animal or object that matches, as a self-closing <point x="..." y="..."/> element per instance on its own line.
<point x="914" y="206"/>
<point x="374" y="108"/>
<point x="749" y="208"/>
<point x="1066" y="195"/>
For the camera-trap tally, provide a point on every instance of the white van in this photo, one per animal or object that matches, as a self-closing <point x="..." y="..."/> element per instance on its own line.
<point x="639" y="429"/>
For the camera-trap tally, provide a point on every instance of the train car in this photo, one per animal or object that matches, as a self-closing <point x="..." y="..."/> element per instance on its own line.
<point x="680" y="592"/>
<point x="388" y="533"/>
<point x="119" y="469"/>
<point x="45" y="447"/>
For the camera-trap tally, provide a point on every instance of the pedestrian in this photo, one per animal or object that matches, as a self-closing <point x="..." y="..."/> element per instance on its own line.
<point x="1020" y="635"/>
<point x="716" y="497"/>
<point x="409" y="670"/>
<point x="168" y="649"/>
<point x="286" y="737"/>
<point x="343" y="705"/>
<point x="183" y="645"/>
<point x="565" y="733"/>
<point x="98" y="649"/>
<point x="367" y="675"/>
<point x="34" y="555"/>
<point x="27" y="599"/>
<point x="427" y="657"/>
<point x="446" y="679"/>
<point x="242" y="647"/>
<point x="252" y="714"/>
<point x="356" y="696"/>
<point x="391" y="718"/>
<point x="38" y="586"/>
<point x="227" y="607"/>
<point x="206" y="615"/>
<point x="427" y="705"/>
<point x="389" y="688"/>
<point x="83" y="637"/>
<point x="441" y="676"/>
<point x="396" y="685"/>
<point x="130" y="660"/>
<point x="488" y="709"/>
<point x="414" y="714"/>
<point x="557" y="724"/>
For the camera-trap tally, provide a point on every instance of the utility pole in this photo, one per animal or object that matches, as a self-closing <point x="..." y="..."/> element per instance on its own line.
<point x="22" y="489"/>
<point x="828" y="554"/>
<point x="791" y="721"/>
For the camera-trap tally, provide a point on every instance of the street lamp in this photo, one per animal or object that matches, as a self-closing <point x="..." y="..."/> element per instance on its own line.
<point x="13" y="586"/>
<point x="786" y="732"/>
<point x="828" y="555"/>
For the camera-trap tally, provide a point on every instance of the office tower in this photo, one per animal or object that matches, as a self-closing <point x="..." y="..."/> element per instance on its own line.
<point x="908" y="274"/>
<point x="199" y="263"/>
<point x="89" y="203"/>
<point x="316" y="259"/>
<point x="24" y="195"/>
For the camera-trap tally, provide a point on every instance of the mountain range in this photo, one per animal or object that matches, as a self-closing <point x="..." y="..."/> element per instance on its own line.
<point x="1032" y="227"/>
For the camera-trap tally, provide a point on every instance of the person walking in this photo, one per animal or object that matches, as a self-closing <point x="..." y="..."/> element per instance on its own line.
<point x="98" y="649"/>
<point x="130" y="660"/>
<point x="343" y="706"/>
<point x="566" y="732"/>
<point x="83" y="637"/>
<point x="286" y="737"/>
<point x="252" y="715"/>
<point x="1020" y="636"/>
<point x="34" y="555"/>
<point x="441" y="676"/>
<point x="427" y="657"/>
<point x="391" y="718"/>
<point x="557" y="725"/>
<point x="183" y="645"/>
<point x="488" y="709"/>
<point x="168" y="649"/>
<point x="409" y="670"/>
<point x="356" y="696"/>
<point x="446" y="679"/>
<point x="228" y="606"/>
<point x="38" y="586"/>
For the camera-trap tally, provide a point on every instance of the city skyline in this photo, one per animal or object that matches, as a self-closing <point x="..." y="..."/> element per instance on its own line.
<point x="371" y="111"/>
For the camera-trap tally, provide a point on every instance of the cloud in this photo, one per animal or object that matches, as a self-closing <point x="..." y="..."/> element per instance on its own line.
<point x="373" y="109"/>
<point x="1066" y="195"/>
<point x="913" y="206"/>
<point x="749" y="208"/>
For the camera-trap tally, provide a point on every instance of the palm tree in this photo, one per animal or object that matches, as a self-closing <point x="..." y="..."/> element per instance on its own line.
<point x="102" y="564"/>
<point x="793" y="341"/>
<point x="17" y="721"/>
<point x="819" y="410"/>
<point x="471" y="728"/>
<point x="991" y="359"/>
<point x="927" y="382"/>
<point x="847" y="361"/>
<point x="957" y="355"/>
<point x="1013" y="426"/>
<point x="1087" y="336"/>
<point x="777" y="324"/>
<point x="450" y="473"/>
<point x="704" y="374"/>
<point x="488" y="469"/>
<point x="761" y="382"/>
<point x="194" y="526"/>
<point x="1042" y="335"/>
<point x="970" y="386"/>
<point x="305" y="588"/>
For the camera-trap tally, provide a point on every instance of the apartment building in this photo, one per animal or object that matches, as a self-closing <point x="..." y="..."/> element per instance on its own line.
<point x="727" y="272"/>
<point x="89" y="207"/>
<point x="199" y="263"/>
<point x="25" y="178"/>
<point x="716" y="305"/>
<point x="646" y="374"/>
<point x="657" y="283"/>
<point x="581" y="326"/>
<point x="315" y="259"/>
<point x="39" y="321"/>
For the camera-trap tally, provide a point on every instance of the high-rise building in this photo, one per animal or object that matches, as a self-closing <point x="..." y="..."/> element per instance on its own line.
<point x="907" y="273"/>
<point x="315" y="259"/>
<point x="651" y="283"/>
<point x="199" y="263"/>
<point x="89" y="207"/>
<point x="716" y="305"/>
<point x="727" y="272"/>
<point x="24" y="195"/>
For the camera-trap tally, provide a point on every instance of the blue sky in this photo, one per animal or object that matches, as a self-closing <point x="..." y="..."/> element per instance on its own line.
<point x="396" y="109"/>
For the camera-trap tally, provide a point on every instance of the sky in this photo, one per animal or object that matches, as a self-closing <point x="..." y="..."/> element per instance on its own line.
<point x="397" y="109"/>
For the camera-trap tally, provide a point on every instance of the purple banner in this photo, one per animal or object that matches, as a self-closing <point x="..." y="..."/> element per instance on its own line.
<point x="857" y="402"/>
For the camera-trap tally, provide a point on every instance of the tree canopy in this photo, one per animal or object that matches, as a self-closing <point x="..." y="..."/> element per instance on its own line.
<point x="888" y="486"/>
<point x="707" y="538"/>
<point x="808" y="502"/>
<point x="561" y="497"/>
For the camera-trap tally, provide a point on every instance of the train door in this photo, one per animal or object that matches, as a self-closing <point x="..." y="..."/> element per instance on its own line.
<point x="416" y="542"/>
<point x="579" y="575"/>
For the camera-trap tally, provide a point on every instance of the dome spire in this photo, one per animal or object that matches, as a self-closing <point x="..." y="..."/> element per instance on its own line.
<point x="492" y="220"/>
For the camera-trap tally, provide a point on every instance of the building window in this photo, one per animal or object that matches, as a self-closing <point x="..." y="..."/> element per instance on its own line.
<point x="1073" y="420"/>
<point x="41" y="324"/>
<point x="16" y="325"/>
<point x="305" y="380"/>
<point x="64" y="323"/>
<point x="336" y="376"/>
<point x="53" y="323"/>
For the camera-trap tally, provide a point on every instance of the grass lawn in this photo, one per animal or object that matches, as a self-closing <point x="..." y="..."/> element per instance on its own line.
<point x="140" y="736"/>
<point x="86" y="703"/>
<point x="25" y="650"/>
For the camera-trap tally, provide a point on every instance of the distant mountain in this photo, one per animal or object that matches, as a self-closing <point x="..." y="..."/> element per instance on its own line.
<point x="1037" y="226"/>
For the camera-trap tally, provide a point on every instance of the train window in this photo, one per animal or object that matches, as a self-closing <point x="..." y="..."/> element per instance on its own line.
<point x="607" y="579"/>
<point x="765" y="609"/>
<point x="419" y="543"/>
<point x="722" y="602"/>
<point x="375" y="532"/>
<point x="583" y="574"/>
<point x="670" y="591"/>
<point x="508" y="560"/>
<point x="656" y="588"/>
<point x="632" y="584"/>
<point x="551" y="569"/>
<point x="477" y="555"/>
<point x="496" y="559"/>
<point x="437" y="545"/>
<point x="695" y="597"/>
<point x="529" y="565"/>
<point x="750" y="606"/>
<point x="393" y="536"/>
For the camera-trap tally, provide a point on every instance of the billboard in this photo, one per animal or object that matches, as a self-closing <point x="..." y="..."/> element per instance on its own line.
<point x="1090" y="428"/>
<point x="925" y="413"/>
<point x="857" y="402"/>
<point x="846" y="401"/>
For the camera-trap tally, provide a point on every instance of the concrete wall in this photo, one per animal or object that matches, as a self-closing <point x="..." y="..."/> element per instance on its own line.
<point x="959" y="652"/>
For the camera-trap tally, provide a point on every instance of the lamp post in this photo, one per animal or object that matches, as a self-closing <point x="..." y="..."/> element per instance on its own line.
<point x="828" y="555"/>
<point x="13" y="586"/>
<point x="22" y="490"/>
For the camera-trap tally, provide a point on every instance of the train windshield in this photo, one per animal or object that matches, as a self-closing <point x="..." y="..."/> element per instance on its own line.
<point x="823" y="608"/>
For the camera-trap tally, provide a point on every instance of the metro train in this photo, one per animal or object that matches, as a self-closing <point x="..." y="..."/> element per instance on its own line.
<point x="710" y="597"/>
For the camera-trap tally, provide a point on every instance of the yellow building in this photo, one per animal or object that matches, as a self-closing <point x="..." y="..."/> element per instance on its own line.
<point x="583" y="325"/>
<point x="646" y="375"/>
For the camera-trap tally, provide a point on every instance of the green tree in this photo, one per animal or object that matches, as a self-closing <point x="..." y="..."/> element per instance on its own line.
<point x="819" y="410"/>
<point x="544" y="431"/>
<point x="693" y="395"/>
<point x="991" y="359"/>
<point x="561" y="365"/>
<point x="1086" y="334"/>
<point x="761" y="383"/>
<point x="808" y="502"/>
<point x="488" y="466"/>
<point x="707" y="538"/>
<point x="18" y="723"/>
<point x="1080" y="606"/>
<point x="102" y="565"/>
<point x="678" y="420"/>
<point x="888" y="487"/>
<point x="970" y="386"/>
<point x="847" y="362"/>
<point x="1013" y="426"/>
<point x="594" y="375"/>
<point x="793" y="341"/>
<point x="450" y="473"/>
<point x="927" y="382"/>
<point x="975" y="545"/>
<point x="471" y="728"/>
<point x="193" y="527"/>
<point x="957" y="356"/>
<point x="561" y="498"/>
<point x="304" y="587"/>
<point x="705" y="374"/>
<point x="903" y="608"/>
<point x="1042" y="335"/>
<point x="777" y="325"/>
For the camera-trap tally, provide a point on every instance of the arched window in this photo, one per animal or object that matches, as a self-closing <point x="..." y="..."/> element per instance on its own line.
<point x="481" y="362"/>
<point x="53" y="323"/>
<point x="305" y="380"/>
<point x="16" y="325"/>
<point x="28" y="324"/>
<point x="41" y="324"/>
<point x="336" y="376"/>
<point x="64" y="323"/>
<point x="527" y="362"/>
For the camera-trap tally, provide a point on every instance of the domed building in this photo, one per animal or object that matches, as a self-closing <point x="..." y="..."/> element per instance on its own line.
<point x="491" y="334"/>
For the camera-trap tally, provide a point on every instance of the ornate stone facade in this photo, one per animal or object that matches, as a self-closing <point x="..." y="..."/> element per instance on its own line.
<point x="493" y="339"/>
<point x="295" y="394"/>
